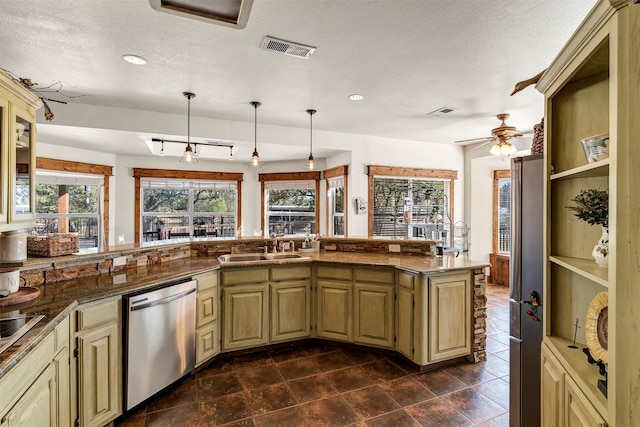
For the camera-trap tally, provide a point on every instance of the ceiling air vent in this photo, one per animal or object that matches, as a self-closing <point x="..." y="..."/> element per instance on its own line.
<point x="288" y="48"/>
<point x="440" y="112"/>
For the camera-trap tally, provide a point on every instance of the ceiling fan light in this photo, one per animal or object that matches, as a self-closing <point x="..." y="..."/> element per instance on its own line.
<point x="495" y="150"/>
<point x="512" y="149"/>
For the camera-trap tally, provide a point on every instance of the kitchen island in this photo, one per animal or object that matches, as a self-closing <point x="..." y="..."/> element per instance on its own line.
<point x="428" y="309"/>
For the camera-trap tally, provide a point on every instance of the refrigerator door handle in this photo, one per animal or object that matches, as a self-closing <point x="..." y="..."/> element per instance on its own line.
<point x="515" y="290"/>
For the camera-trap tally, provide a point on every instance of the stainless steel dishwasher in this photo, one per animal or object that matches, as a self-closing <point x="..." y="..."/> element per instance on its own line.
<point x="160" y="344"/>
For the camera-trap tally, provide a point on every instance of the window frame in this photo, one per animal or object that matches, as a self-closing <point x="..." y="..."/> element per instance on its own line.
<point x="287" y="176"/>
<point x="139" y="173"/>
<point x="56" y="165"/>
<point x="336" y="173"/>
<point x="408" y="173"/>
<point x="498" y="174"/>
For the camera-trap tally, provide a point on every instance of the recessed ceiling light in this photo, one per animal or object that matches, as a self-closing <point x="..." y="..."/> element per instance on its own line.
<point x="134" y="59"/>
<point x="356" y="97"/>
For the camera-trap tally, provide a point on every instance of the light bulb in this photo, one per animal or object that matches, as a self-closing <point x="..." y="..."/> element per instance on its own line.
<point x="495" y="150"/>
<point x="188" y="155"/>
<point x="255" y="159"/>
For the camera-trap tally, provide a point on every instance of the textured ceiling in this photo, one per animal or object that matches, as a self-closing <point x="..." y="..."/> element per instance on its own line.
<point x="407" y="57"/>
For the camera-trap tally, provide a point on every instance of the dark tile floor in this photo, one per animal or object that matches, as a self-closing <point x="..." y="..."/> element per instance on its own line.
<point x="317" y="385"/>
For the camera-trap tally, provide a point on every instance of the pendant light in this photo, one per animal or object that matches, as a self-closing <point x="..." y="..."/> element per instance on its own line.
<point x="231" y="152"/>
<point x="255" y="158"/>
<point x="310" y="163"/>
<point x="161" y="153"/>
<point x="188" y="155"/>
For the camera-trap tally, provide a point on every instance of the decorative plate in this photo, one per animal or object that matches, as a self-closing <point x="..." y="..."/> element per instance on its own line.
<point x="597" y="327"/>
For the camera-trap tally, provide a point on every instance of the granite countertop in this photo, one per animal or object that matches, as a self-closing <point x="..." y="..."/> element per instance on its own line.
<point x="57" y="300"/>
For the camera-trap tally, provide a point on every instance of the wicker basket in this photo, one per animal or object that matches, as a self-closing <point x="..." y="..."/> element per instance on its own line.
<point x="52" y="244"/>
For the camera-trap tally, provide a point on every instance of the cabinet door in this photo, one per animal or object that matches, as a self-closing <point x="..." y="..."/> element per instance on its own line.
<point x="405" y="322"/>
<point x="335" y="319"/>
<point x="22" y="165"/>
<point x="245" y="317"/>
<point x="206" y="306"/>
<point x="207" y="342"/>
<point x="4" y="160"/>
<point x="38" y="406"/>
<point x="449" y="317"/>
<point x="63" y="378"/>
<point x="552" y="397"/>
<point x="578" y="411"/>
<point x="290" y="310"/>
<point x="99" y="375"/>
<point x="373" y="314"/>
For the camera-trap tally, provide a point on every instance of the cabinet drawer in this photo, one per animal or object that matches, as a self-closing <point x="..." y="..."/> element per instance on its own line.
<point x="373" y="275"/>
<point x="407" y="280"/>
<point x="333" y="272"/>
<point x="94" y="314"/>
<point x="206" y="307"/>
<point x="251" y="275"/>
<point x="288" y="273"/>
<point x="207" y="280"/>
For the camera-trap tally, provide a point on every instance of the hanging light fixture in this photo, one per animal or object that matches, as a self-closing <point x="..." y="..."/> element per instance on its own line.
<point x="188" y="155"/>
<point x="310" y="162"/>
<point x="161" y="153"/>
<point x="255" y="158"/>
<point x="231" y="152"/>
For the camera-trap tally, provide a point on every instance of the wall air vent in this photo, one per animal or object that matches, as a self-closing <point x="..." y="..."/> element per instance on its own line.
<point x="288" y="48"/>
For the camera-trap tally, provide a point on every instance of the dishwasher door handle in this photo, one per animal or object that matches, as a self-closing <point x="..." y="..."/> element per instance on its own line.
<point x="163" y="300"/>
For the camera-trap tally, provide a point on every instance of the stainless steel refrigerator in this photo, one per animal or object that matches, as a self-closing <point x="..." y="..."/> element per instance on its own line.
<point x="525" y="289"/>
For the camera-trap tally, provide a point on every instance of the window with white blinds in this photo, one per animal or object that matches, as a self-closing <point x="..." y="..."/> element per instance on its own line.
<point x="290" y="207"/>
<point x="178" y="208"/>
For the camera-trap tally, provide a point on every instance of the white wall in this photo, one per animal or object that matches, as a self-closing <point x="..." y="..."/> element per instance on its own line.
<point x="364" y="151"/>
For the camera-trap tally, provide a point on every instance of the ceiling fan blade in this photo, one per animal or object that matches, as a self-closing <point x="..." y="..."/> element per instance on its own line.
<point x="479" y="144"/>
<point x="473" y="141"/>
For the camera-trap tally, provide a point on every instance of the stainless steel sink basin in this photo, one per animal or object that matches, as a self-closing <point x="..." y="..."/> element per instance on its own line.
<point x="13" y="328"/>
<point x="260" y="257"/>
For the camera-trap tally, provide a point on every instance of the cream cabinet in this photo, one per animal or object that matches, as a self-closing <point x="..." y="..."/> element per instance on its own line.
<point x="449" y="316"/>
<point x="98" y="362"/>
<point x="36" y="391"/>
<point x="563" y="403"/>
<point x="17" y="154"/>
<point x="406" y="314"/>
<point x="207" y="323"/>
<point x="246" y="316"/>
<point x="592" y="88"/>
<point x="334" y="315"/>
<point x="290" y="299"/>
<point x="373" y="300"/>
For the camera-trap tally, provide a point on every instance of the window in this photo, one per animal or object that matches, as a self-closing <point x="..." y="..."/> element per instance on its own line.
<point x="501" y="211"/>
<point x="180" y="203"/>
<point x="336" y="201"/>
<point x="177" y="208"/>
<point x="72" y="197"/>
<point x="290" y="205"/>
<point x="409" y="202"/>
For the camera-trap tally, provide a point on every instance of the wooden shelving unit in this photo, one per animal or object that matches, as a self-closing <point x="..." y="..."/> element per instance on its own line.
<point x="592" y="88"/>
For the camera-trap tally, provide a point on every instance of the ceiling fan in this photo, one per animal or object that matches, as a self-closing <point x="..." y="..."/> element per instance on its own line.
<point x="507" y="140"/>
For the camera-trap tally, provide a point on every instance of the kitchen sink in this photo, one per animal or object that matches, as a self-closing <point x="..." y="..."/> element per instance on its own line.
<point x="260" y="257"/>
<point x="13" y="328"/>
